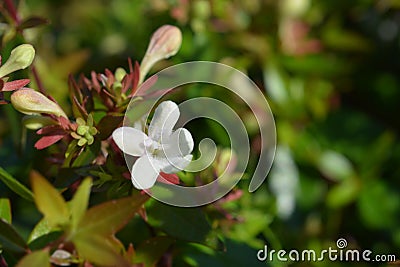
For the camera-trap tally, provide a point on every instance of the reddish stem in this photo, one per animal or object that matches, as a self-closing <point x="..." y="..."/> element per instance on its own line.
<point x="38" y="80"/>
<point x="12" y="10"/>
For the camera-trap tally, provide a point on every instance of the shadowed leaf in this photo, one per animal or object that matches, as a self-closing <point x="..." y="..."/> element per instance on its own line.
<point x="10" y="239"/>
<point x="15" y="185"/>
<point x="151" y="250"/>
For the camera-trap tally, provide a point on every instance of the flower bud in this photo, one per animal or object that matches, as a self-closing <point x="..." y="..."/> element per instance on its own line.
<point x="119" y="74"/>
<point x="20" y="58"/>
<point x="30" y="102"/>
<point x="35" y="122"/>
<point x="165" y="42"/>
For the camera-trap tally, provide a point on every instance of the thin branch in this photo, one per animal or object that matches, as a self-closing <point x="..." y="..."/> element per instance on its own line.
<point x="12" y="10"/>
<point x="38" y="80"/>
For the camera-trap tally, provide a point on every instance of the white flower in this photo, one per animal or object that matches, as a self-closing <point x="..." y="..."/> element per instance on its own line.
<point x="162" y="150"/>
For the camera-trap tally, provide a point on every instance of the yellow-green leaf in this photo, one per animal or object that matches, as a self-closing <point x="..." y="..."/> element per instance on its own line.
<point x="49" y="201"/>
<point x="41" y="228"/>
<point x="79" y="202"/>
<point x="99" y="250"/>
<point x="107" y="218"/>
<point x="5" y="209"/>
<point x="38" y="258"/>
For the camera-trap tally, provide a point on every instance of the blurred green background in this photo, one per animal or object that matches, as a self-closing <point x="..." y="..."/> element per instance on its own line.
<point x="331" y="73"/>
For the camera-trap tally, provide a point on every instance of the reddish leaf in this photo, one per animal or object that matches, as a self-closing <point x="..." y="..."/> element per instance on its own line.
<point x="66" y="124"/>
<point x="47" y="141"/>
<point x="51" y="130"/>
<point x="14" y="85"/>
<point x="168" y="178"/>
<point x="108" y="124"/>
<point x="95" y="82"/>
<point x="32" y="22"/>
<point x="142" y="90"/>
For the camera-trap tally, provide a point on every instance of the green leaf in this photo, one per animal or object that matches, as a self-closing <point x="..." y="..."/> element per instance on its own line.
<point x="5" y="209"/>
<point x="38" y="258"/>
<point x="99" y="250"/>
<point x="378" y="205"/>
<point x="80" y="201"/>
<point x="10" y="239"/>
<point x="188" y="224"/>
<point x="49" y="201"/>
<point x="151" y="250"/>
<point x="87" y="155"/>
<point x="15" y="185"/>
<point x="45" y="240"/>
<point x="343" y="193"/>
<point x="107" y="218"/>
<point x="41" y="228"/>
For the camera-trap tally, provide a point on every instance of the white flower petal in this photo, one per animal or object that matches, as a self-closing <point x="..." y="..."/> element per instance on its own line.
<point x="165" y="117"/>
<point x="130" y="140"/>
<point x="144" y="173"/>
<point x="178" y="144"/>
<point x="174" y="164"/>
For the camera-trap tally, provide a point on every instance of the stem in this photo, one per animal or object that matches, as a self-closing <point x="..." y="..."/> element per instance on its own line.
<point x="38" y="80"/>
<point x="12" y="10"/>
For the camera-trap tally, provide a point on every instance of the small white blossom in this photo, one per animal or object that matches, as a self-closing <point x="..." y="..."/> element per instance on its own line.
<point x="161" y="150"/>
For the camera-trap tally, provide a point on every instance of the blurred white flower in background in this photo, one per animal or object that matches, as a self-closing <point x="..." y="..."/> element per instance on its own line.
<point x="284" y="180"/>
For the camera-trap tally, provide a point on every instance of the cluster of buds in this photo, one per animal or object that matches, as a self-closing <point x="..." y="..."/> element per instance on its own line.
<point x="85" y="131"/>
<point x="108" y="92"/>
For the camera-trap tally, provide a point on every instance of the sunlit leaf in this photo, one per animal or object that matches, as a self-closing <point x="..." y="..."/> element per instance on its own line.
<point x="10" y="239"/>
<point x="38" y="258"/>
<point x="41" y="228"/>
<point x="49" y="201"/>
<point x="107" y="218"/>
<point x="97" y="250"/>
<point x="15" y="185"/>
<point x="80" y="201"/>
<point x="5" y="210"/>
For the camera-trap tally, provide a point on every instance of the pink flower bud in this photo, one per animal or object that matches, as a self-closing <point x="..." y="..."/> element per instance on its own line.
<point x="165" y="42"/>
<point x="29" y="101"/>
